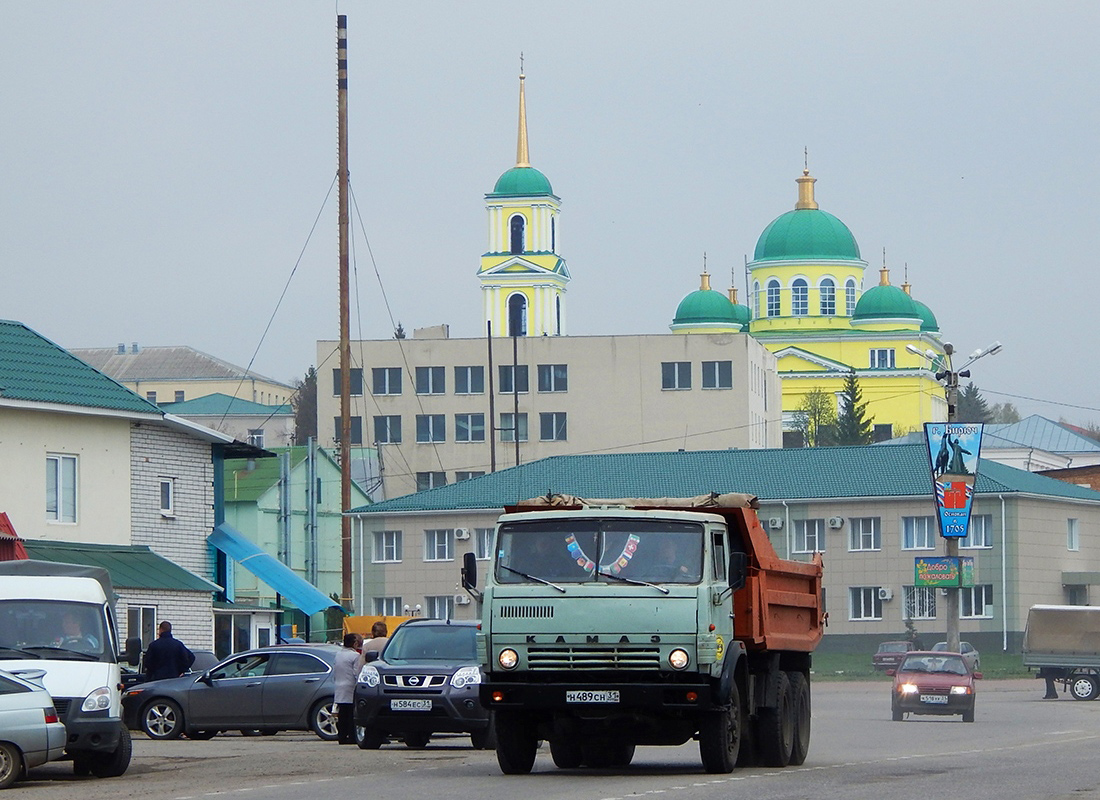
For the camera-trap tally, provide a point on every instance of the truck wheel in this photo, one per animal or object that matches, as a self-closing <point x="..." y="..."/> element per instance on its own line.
<point x="566" y="753"/>
<point x="775" y="727"/>
<point x="516" y="743"/>
<point x="1083" y="687"/>
<point x="720" y="736"/>
<point x="162" y="719"/>
<point x="11" y="764"/>
<point x="322" y="720"/>
<point x="114" y="764"/>
<point x="800" y="706"/>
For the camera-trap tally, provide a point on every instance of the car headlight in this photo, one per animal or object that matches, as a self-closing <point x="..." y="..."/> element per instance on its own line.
<point x="98" y="700"/>
<point x="960" y="690"/>
<point x="369" y="675"/>
<point x="678" y="659"/>
<point x="508" y="658"/>
<point x="467" y="676"/>
<point x="908" y="688"/>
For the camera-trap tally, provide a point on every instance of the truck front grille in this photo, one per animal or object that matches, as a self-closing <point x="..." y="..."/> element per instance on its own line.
<point x="526" y="612"/>
<point x="593" y="657"/>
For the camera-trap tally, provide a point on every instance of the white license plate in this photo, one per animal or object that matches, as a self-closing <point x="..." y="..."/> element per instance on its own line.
<point x="410" y="705"/>
<point x="583" y="696"/>
<point x="934" y="698"/>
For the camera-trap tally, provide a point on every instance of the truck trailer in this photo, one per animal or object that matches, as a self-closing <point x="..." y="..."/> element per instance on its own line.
<point x="612" y="623"/>
<point x="1063" y="643"/>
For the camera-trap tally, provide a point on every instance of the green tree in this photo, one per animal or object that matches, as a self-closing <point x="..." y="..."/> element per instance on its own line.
<point x="852" y="425"/>
<point x="304" y="403"/>
<point x="816" y="419"/>
<point x="1004" y="413"/>
<point x="972" y="406"/>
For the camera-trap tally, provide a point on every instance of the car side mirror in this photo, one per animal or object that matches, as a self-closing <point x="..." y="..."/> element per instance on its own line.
<point x="205" y="678"/>
<point x="469" y="571"/>
<point x="372" y="655"/>
<point x="738" y="570"/>
<point x="132" y="653"/>
<point x="891" y="671"/>
<point x="977" y="676"/>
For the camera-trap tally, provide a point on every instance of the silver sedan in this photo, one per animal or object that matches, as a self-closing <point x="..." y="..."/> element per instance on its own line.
<point x="30" y="731"/>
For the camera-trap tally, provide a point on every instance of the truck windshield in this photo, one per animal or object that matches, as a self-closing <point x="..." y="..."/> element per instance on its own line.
<point x="576" y="550"/>
<point x="53" y="629"/>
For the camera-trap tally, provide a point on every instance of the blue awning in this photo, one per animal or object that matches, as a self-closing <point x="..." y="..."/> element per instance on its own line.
<point x="270" y="570"/>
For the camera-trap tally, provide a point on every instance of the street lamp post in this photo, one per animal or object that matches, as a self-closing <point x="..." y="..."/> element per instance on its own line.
<point x="949" y="377"/>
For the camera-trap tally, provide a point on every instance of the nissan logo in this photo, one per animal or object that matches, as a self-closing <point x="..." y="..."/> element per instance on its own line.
<point x="413" y="680"/>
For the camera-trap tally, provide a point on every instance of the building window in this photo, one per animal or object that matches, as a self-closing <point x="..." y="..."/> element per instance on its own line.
<point x="850" y="296"/>
<point x="882" y="358"/>
<point x="388" y="606"/>
<point x="439" y="545"/>
<point x="386" y="380"/>
<point x="440" y="606"/>
<point x="61" y="488"/>
<point x="256" y="437"/>
<point x="976" y="601"/>
<point x="552" y="426"/>
<point x="1073" y="540"/>
<point x="553" y="377"/>
<point x="356" y="382"/>
<point x="430" y="480"/>
<point x="717" y="374"/>
<point x="469" y="380"/>
<point x="431" y="428"/>
<point x="773" y="298"/>
<point x="511" y="425"/>
<point x="809" y="536"/>
<point x="356" y="430"/>
<point x="827" y="290"/>
<point x="920" y="601"/>
<point x="483" y="543"/>
<point x="430" y="380"/>
<point x="387" y="429"/>
<point x="800" y="297"/>
<point x="865" y="533"/>
<point x="516" y="225"/>
<point x="151" y="397"/>
<point x="517" y="315"/>
<point x="465" y="475"/>
<point x="387" y="547"/>
<point x="142" y="621"/>
<point x="864" y="603"/>
<point x="918" y="533"/>
<point x="519" y="371"/>
<point x="980" y="533"/>
<point x="675" y="374"/>
<point x="469" y="427"/>
<point x="167" y="497"/>
<point x="756" y="299"/>
<point x="180" y="394"/>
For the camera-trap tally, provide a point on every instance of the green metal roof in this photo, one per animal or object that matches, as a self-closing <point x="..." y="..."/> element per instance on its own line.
<point x="771" y="475"/>
<point x="218" y="404"/>
<point x="34" y="369"/>
<point x="131" y="566"/>
<point x="705" y="306"/>
<point x="244" y="485"/>
<point x="886" y="302"/>
<point x="927" y="318"/>
<point x="522" y="181"/>
<point x="806" y="233"/>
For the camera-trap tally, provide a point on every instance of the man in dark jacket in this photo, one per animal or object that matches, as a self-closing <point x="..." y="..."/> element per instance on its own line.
<point x="167" y="657"/>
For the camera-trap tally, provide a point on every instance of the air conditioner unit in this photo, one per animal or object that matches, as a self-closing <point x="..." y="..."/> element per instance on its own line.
<point x="836" y="522"/>
<point x="885" y="593"/>
<point x="462" y="534"/>
<point x="775" y="523"/>
<point x="462" y="599"/>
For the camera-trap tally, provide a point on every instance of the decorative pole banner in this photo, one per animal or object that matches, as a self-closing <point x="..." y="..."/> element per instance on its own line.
<point x="953" y="449"/>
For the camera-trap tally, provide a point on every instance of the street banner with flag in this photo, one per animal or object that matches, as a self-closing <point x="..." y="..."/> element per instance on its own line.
<point x="953" y="449"/>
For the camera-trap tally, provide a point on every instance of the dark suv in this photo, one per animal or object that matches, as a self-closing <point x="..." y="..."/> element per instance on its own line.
<point x="426" y="681"/>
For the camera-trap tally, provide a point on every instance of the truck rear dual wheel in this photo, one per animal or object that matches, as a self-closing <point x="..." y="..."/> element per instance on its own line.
<point x="800" y="708"/>
<point x="775" y="727"/>
<point x="720" y="736"/>
<point x="517" y="743"/>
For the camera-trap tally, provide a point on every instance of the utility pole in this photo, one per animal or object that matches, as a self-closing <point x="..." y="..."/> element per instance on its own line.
<point x="345" y="313"/>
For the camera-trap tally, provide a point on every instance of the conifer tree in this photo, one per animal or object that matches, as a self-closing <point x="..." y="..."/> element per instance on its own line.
<point x="852" y="425"/>
<point x="972" y="406"/>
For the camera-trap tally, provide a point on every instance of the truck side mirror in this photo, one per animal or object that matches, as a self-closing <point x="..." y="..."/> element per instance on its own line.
<point x="133" y="651"/>
<point x="469" y="571"/>
<point x="738" y="571"/>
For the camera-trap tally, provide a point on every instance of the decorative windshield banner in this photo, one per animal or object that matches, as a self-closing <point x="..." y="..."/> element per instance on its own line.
<point x="953" y="449"/>
<point x="946" y="571"/>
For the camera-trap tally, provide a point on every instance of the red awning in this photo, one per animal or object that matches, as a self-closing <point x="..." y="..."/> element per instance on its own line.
<point x="11" y="546"/>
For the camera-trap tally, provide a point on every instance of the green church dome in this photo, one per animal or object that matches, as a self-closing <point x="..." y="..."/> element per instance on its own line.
<point x="522" y="181"/>
<point x="806" y="233"/>
<point x="742" y="314"/>
<point x="705" y="306"/>
<point x="885" y="302"/>
<point x="928" y="319"/>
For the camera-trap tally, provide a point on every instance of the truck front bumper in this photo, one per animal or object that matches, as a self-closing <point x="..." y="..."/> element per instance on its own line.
<point x="574" y="697"/>
<point x="92" y="734"/>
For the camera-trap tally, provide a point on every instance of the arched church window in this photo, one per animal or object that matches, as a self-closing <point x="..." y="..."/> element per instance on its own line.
<point x="517" y="315"/>
<point x="517" y="225"/>
<point x="756" y="299"/>
<point x="828" y="297"/>
<point x="850" y="296"/>
<point x="773" y="298"/>
<point x="557" y="315"/>
<point x="800" y="297"/>
<point x="553" y="235"/>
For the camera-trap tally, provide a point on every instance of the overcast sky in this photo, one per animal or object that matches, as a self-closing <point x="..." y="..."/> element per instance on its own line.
<point x="162" y="165"/>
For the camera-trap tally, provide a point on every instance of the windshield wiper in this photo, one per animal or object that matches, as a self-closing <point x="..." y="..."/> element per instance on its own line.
<point x="633" y="581"/>
<point x="6" y="649"/>
<point x="535" y="578"/>
<point x="84" y="656"/>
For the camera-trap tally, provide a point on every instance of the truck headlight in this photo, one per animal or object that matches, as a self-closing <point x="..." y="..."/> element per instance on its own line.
<point x="98" y="700"/>
<point x="467" y="676"/>
<point x="678" y="659"/>
<point x="508" y="658"/>
<point x="369" y="675"/>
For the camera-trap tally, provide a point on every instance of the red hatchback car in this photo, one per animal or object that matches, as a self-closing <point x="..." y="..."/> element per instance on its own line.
<point x="930" y="682"/>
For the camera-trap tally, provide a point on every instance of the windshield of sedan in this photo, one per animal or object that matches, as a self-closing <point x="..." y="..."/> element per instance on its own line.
<point x="579" y="550"/>
<point x="53" y="629"/>
<point x="952" y="665"/>
<point x="452" y="644"/>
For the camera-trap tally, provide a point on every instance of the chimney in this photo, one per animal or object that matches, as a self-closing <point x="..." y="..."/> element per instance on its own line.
<point x="134" y="348"/>
<point x="122" y="348"/>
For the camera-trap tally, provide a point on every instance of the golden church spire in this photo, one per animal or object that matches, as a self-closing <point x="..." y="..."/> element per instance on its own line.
<point x="522" y="156"/>
<point x="805" y="190"/>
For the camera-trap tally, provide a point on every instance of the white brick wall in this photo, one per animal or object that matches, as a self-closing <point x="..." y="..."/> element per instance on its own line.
<point x="191" y="614"/>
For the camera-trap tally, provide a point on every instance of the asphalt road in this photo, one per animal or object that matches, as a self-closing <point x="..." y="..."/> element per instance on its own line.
<point x="1020" y="746"/>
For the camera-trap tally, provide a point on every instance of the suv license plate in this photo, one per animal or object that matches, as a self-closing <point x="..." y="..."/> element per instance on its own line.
<point x="410" y="705"/>
<point x="939" y="699"/>
<point x="584" y="696"/>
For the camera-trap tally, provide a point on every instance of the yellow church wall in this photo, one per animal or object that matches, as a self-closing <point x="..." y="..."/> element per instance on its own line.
<point x="812" y="273"/>
<point x="905" y="402"/>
